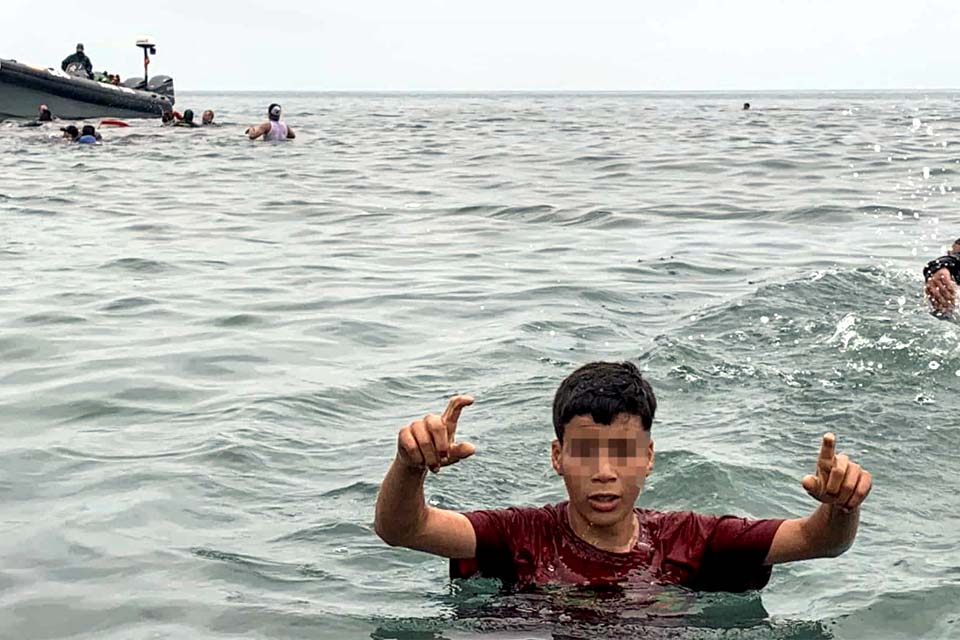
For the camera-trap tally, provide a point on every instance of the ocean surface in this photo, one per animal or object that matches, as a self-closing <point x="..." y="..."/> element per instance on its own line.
<point x="208" y="345"/>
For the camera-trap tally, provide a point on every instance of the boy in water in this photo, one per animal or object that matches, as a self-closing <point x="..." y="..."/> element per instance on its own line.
<point x="602" y="416"/>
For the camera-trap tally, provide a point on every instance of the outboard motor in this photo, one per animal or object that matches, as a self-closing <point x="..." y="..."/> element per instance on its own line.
<point x="162" y="85"/>
<point x="133" y="83"/>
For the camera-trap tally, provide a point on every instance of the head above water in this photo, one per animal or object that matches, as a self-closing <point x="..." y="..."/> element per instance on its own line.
<point x="955" y="249"/>
<point x="603" y="390"/>
<point x="274" y="111"/>
<point x="602" y="416"/>
<point x="188" y="115"/>
<point x="207" y="117"/>
<point x="746" y="106"/>
<point x="71" y="132"/>
<point x="88" y="130"/>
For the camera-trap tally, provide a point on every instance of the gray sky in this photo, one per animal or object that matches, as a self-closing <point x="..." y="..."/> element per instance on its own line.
<point x="504" y="45"/>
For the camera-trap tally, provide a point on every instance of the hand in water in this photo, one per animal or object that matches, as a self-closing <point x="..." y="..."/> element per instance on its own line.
<point x="838" y="481"/>
<point x="430" y="442"/>
<point x="941" y="291"/>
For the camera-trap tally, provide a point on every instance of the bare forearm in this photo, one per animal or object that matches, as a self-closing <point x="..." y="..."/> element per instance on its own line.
<point x="401" y="508"/>
<point x="831" y="529"/>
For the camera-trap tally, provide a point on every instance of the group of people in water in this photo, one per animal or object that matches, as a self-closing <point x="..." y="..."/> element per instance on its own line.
<point x="273" y="129"/>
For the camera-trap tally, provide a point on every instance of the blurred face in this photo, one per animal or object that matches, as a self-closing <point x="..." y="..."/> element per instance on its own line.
<point x="955" y="249"/>
<point x="604" y="467"/>
<point x="207" y="117"/>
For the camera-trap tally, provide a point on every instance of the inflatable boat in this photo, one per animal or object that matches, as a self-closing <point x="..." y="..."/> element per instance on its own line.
<point x="24" y="88"/>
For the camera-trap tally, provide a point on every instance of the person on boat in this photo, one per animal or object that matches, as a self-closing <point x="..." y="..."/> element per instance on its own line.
<point x="187" y="120"/>
<point x="89" y="135"/>
<point x="274" y="129"/>
<point x="207" y="118"/>
<point x="603" y="451"/>
<point x="71" y="133"/>
<point x="78" y="58"/>
<point x="941" y="281"/>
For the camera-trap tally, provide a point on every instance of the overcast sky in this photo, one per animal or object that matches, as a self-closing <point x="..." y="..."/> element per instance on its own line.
<point x="504" y="44"/>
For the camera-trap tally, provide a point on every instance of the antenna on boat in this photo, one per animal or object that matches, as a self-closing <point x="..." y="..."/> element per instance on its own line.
<point x="148" y="48"/>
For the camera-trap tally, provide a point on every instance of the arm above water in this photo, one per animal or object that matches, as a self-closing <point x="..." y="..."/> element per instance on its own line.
<point x="940" y="287"/>
<point x="255" y="132"/>
<point x="290" y="134"/>
<point x="841" y="486"/>
<point x="402" y="516"/>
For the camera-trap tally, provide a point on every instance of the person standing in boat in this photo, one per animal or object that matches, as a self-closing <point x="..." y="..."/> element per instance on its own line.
<point x="78" y="59"/>
<point x="273" y="129"/>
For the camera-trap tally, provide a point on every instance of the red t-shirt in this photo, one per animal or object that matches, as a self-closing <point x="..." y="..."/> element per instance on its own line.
<point x="524" y="546"/>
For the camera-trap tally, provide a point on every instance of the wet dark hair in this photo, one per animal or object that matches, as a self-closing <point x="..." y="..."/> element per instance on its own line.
<point x="88" y="130"/>
<point x="270" y="115"/>
<point x="603" y="390"/>
<point x="188" y="115"/>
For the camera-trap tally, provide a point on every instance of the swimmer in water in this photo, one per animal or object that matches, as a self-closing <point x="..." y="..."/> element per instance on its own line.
<point x="602" y="417"/>
<point x="187" y="120"/>
<point x="274" y="129"/>
<point x="45" y="114"/>
<point x="941" y="279"/>
<point x="70" y="132"/>
<point x="207" y="118"/>
<point x="89" y="135"/>
<point x="746" y="106"/>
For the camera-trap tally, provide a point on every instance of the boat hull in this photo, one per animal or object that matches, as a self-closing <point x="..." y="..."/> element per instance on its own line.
<point x="23" y="89"/>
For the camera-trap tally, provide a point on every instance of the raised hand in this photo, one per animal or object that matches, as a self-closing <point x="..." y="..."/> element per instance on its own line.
<point x="837" y="481"/>
<point x="941" y="291"/>
<point x="429" y="443"/>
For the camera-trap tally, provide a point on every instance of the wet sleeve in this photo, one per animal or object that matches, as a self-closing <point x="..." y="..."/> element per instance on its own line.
<point x="496" y="531"/>
<point x="733" y="558"/>
<point x="951" y="263"/>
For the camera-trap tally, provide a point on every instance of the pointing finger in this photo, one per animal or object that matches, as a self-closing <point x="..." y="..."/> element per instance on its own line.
<point x="828" y="447"/>
<point x="451" y="415"/>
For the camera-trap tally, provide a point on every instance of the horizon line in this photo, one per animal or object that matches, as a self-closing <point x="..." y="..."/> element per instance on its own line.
<point x="576" y="91"/>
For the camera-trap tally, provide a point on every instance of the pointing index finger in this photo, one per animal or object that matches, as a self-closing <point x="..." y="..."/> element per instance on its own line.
<point x="828" y="447"/>
<point x="451" y="415"/>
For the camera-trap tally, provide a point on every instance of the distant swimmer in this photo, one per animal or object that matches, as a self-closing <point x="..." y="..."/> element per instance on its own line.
<point x="169" y="117"/>
<point x="89" y="135"/>
<point x="76" y="62"/>
<point x="746" y="106"/>
<point x="44" y="115"/>
<point x="187" y="120"/>
<point x="207" y="118"/>
<point x="71" y="133"/>
<point x="274" y="129"/>
<point x="942" y="277"/>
